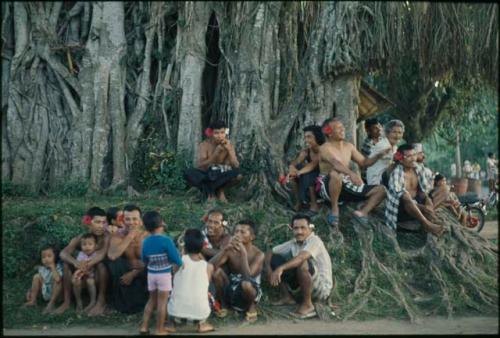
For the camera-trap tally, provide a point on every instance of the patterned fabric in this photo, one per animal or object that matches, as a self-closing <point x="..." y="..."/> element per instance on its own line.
<point x="158" y="251"/>
<point x="48" y="282"/>
<point x="397" y="189"/>
<point x="429" y="176"/>
<point x="322" y="187"/>
<point x="82" y="256"/>
<point x="234" y="292"/>
<point x="367" y="146"/>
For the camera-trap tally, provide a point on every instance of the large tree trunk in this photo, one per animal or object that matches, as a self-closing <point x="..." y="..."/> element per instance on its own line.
<point x="190" y="54"/>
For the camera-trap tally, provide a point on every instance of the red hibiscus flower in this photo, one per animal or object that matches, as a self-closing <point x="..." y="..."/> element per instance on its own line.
<point x="86" y="219"/>
<point x="282" y="179"/>
<point x="120" y="218"/>
<point x="209" y="132"/>
<point x="398" y="156"/>
<point x="327" y="130"/>
<point x="205" y="218"/>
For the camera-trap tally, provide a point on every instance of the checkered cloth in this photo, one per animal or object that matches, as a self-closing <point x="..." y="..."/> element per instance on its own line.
<point x="429" y="176"/>
<point x="397" y="189"/>
<point x="366" y="148"/>
<point x="322" y="187"/>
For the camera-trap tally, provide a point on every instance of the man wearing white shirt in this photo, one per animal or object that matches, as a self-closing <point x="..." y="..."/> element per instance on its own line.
<point x="394" y="131"/>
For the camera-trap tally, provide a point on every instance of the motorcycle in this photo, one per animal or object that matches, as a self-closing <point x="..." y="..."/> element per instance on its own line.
<point x="476" y="209"/>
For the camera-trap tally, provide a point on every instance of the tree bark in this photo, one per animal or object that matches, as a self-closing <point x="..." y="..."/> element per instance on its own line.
<point x="190" y="54"/>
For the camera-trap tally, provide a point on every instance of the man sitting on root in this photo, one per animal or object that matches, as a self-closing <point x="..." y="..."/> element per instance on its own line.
<point x="94" y="220"/>
<point x="302" y="266"/>
<point x="215" y="233"/>
<point x="336" y="181"/>
<point x="303" y="170"/>
<point x="406" y="198"/>
<point x="243" y="261"/>
<point x="217" y="166"/>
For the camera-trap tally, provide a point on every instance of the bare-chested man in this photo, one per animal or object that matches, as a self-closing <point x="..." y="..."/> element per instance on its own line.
<point x="128" y="278"/>
<point x="215" y="233"/>
<point x="95" y="220"/>
<point x="337" y="181"/>
<point x="217" y="166"/>
<point x="406" y="198"/>
<point x="240" y="287"/>
<point x="303" y="170"/>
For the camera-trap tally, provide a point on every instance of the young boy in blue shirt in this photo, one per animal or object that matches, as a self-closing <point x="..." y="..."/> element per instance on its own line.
<point x="158" y="254"/>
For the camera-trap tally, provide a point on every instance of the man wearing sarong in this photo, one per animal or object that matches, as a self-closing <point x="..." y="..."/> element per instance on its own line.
<point x="217" y="167"/>
<point x="337" y="182"/>
<point x="406" y="197"/>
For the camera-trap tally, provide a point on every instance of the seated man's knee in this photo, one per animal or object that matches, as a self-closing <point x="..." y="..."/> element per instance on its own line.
<point x="247" y="288"/>
<point x="406" y="197"/>
<point x="380" y="189"/>
<point x="304" y="267"/>
<point x="219" y="275"/>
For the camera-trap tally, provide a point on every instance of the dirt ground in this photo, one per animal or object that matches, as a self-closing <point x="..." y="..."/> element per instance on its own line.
<point x="439" y="325"/>
<point x="490" y="230"/>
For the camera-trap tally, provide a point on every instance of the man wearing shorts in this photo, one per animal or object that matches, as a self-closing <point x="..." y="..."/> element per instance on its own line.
<point x="301" y="266"/>
<point x="336" y="181"/>
<point x="238" y="286"/>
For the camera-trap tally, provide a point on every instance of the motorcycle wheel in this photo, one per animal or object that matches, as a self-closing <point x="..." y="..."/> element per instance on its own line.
<point x="475" y="219"/>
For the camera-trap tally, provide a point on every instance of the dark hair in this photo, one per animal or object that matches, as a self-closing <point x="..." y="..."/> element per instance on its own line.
<point x="152" y="220"/>
<point x="216" y="211"/>
<point x="405" y="147"/>
<point x="88" y="235"/>
<point x="95" y="211"/>
<point x="111" y="214"/>
<point x="218" y="124"/>
<point x="301" y="216"/>
<point x="490" y="154"/>
<point x="328" y="120"/>
<point x="132" y="207"/>
<point x="371" y="122"/>
<point x="52" y="247"/>
<point x="250" y="223"/>
<point x="438" y="178"/>
<point x="193" y="241"/>
<point x="316" y="131"/>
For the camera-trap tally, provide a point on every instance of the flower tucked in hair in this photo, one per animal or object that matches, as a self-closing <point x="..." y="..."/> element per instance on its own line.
<point x="205" y="218"/>
<point x="86" y="219"/>
<point x="282" y="179"/>
<point x="120" y="218"/>
<point x="209" y="132"/>
<point x="327" y="130"/>
<point x="398" y="156"/>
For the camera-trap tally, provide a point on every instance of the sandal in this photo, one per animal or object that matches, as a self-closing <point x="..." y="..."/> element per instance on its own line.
<point x="333" y="220"/>
<point x="222" y="313"/>
<point x="307" y="315"/>
<point x="251" y="317"/>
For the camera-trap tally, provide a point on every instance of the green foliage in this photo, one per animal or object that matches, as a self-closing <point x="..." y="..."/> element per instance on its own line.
<point x="72" y="188"/>
<point x="16" y="190"/>
<point x="164" y="169"/>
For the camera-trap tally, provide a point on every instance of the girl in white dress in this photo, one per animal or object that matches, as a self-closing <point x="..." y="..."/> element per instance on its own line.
<point x="189" y="298"/>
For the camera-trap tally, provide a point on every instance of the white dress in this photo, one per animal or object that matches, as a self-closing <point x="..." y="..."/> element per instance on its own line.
<point x="375" y="171"/>
<point x="189" y="298"/>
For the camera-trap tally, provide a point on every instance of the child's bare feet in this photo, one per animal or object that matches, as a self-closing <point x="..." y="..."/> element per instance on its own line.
<point x="62" y="308"/>
<point x="162" y="332"/>
<point x="89" y="307"/>
<point x="170" y="328"/>
<point x="205" y="327"/>
<point x="144" y="330"/>
<point x="97" y="310"/>
<point x="49" y="309"/>
<point x="30" y="303"/>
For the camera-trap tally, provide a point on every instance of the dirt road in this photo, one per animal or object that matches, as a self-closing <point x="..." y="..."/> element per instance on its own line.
<point x="439" y="325"/>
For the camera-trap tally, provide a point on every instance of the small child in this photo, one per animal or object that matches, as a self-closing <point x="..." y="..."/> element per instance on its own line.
<point x="189" y="299"/>
<point x="88" y="245"/>
<point x="48" y="279"/>
<point x="158" y="252"/>
<point x="115" y="224"/>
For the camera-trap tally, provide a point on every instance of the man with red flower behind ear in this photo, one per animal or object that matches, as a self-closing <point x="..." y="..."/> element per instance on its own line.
<point x="337" y="182"/>
<point x="217" y="166"/>
<point x="95" y="221"/>
<point x="406" y="198"/>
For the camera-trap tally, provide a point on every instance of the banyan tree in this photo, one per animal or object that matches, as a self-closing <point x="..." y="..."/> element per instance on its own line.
<point x="84" y="83"/>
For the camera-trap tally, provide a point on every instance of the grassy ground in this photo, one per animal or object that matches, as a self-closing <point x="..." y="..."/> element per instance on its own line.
<point x="27" y="222"/>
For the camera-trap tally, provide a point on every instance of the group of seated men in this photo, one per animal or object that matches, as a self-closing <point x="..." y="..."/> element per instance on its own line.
<point x="325" y="170"/>
<point x="300" y="266"/>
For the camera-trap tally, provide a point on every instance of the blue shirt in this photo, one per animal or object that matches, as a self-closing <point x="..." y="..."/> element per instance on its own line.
<point x="158" y="252"/>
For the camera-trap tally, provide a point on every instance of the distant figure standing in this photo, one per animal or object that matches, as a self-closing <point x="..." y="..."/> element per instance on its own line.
<point x="492" y="168"/>
<point x="467" y="170"/>
<point x="453" y="170"/>
<point x="476" y="168"/>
